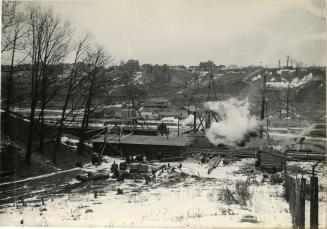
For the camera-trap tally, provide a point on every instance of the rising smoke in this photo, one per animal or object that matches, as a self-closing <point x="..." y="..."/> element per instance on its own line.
<point x="189" y="120"/>
<point x="235" y="121"/>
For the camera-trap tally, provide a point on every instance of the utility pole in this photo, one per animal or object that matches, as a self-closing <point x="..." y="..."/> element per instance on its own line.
<point x="177" y="126"/>
<point x="263" y="101"/>
<point x="194" y="121"/>
<point x="287" y="100"/>
<point x="267" y="131"/>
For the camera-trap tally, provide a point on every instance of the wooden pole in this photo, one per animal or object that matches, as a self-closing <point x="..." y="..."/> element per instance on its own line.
<point x="286" y="177"/>
<point x="314" y="202"/>
<point x="297" y="202"/>
<point x="263" y="100"/>
<point x="294" y="201"/>
<point x="194" y="122"/>
<point x="178" y="127"/>
<point x="302" y="204"/>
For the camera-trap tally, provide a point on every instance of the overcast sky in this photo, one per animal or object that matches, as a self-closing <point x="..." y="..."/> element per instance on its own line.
<point x="186" y="32"/>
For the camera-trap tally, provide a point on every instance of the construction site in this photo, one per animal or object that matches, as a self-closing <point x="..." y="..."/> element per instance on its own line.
<point x="134" y="164"/>
<point x="89" y="144"/>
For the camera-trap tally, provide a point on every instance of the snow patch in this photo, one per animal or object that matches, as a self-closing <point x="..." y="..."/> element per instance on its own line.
<point x="296" y="82"/>
<point x="279" y="72"/>
<point x="256" y="77"/>
<point x="203" y="73"/>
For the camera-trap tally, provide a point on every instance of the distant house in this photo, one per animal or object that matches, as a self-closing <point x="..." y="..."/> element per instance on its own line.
<point x="232" y="66"/>
<point x="117" y="95"/>
<point x="157" y="103"/>
<point x="206" y="66"/>
<point x="187" y="109"/>
<point x="221" y="67"/>
<point x="149" y="115"/>
<point x="177" y="114"/>
<point x="192" y="68"/>
<point x="132" y="64"/>
<point x="184" y="93"/>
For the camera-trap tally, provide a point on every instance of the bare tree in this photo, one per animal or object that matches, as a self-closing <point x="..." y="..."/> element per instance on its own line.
<point x="132" y="87"/>
<point x="47" y="45"/>
<point x="11" y="40"/>
<point x="8" y="24"/>
<point x="74" y="81"/>
<point x="57" y="37"/>
<point x="95" y="61"/>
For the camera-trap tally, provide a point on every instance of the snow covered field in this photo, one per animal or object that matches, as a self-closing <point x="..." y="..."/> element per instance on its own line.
<point x="186" y="197"/>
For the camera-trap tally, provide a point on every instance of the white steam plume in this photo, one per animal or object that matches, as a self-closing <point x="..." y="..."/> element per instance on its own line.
<point x="235" y="121"/>
<point x="189" y="120"/>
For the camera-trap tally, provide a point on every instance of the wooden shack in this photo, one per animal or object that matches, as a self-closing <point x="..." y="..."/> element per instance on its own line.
<point x="152" y="147"/>
<point x="271" y="160"/>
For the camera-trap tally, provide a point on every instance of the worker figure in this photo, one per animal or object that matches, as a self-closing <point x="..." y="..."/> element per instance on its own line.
<point x="153" y="175"/>
<point x="160" y="155"/>
<point x="162" y="129"/>
<point x="128" y="159"/>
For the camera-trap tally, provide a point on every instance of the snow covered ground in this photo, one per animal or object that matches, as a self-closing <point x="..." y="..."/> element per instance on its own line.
<point x="186" y="197"/>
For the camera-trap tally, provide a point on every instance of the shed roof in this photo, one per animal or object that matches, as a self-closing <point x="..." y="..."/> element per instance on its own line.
<point x="191" y="108"/>
<point x="158" y="100"/>
<point x="273" y="152"/>
<point x="146" y="140"/>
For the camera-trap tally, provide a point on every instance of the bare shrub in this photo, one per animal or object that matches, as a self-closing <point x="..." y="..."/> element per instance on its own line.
<point x="240" y="196"/>
<point x="242" y="192"/>
<point x="227" y="196"/>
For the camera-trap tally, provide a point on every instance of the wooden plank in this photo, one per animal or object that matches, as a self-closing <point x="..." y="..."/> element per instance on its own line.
<point x="302" y="204"/>
<point x="314" y="202"/>
<point x="297" y="202"/>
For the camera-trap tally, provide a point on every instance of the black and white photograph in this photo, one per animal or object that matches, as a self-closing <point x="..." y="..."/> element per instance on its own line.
<point x="163" y="114"/>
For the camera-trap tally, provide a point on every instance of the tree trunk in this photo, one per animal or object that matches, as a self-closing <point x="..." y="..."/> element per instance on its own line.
<point x="86" y="117"/>
<point x="34" y="100"/>
<point x="30" y="136"/>
<point x="43" y="104"/>
<point x="61" y="127"/>
<point x="9" y="86"/>
<point x="11" y="75"/>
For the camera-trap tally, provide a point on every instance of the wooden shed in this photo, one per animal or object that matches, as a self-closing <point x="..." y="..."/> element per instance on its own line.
<point x="271" y="160"/>
<point x="150" y="146"/>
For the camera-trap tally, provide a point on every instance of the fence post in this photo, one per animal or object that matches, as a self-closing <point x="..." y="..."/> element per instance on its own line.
<point x="302" y="204"/>
<point x="287" y="187"/>
<point x="314" y="202"/>
<point x="297" y="202"/>
<point x="293" y="200"/>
